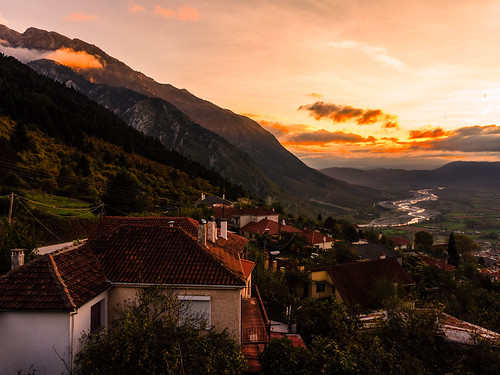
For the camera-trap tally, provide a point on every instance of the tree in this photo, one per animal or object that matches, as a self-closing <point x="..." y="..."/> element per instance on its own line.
<point x="451" y="249"/>
<point x="16" y="236"/>
<point x="423" y="241"/>
<point x="154" y="335"/>
<point x="123" y="193"/>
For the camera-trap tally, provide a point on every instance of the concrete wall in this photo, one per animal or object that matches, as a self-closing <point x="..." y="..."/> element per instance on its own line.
<point x="225" y="304"/>
<point x="82" y="319"/>
<point x="32" y="338"/>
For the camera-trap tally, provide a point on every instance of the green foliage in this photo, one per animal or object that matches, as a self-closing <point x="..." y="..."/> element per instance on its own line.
<point x="423" y="241"/>
<point x="58" y="140"/>
<point x="148" y="337"/>
<point x="451" y="249"/>
<point x="280" y="357"/>
<point x="326" y="318"/>
<point x="15" y="236"/>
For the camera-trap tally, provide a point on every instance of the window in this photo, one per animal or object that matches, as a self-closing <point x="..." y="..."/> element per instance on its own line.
<point x="320" y="287"/>
<point x="196" y="307"/>
<point x="97" y="316"/>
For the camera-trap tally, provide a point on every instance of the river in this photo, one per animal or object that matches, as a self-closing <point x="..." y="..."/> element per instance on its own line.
<point x="405" y="211"/>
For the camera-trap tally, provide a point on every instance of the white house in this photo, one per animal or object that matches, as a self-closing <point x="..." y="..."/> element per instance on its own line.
<point x="47" y="304"/>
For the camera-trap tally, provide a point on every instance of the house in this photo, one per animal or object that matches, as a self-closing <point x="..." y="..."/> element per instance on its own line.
<point x="317" y="239"/>
<point x="267" y="227"/>
<point x="212" y="200"/>
<point x="237" y="218"/>
<point x="356" y="283"/>
<point x="46" y="304"/>
<point x="372" y="251"/>
<point x="439" y="263"/>
<point x="401" y="243"/>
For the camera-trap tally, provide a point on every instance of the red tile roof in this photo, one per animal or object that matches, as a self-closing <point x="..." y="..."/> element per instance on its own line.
<point x="110" y="223"/>
<point x="272" y="226"/>
<point x="355" y="281"/>
<point x="152" y="254"/>
<point x="437" y="262"/>
<point x="62" y="280"/>
<point x="248" y="266"/>
<point x="400" y="241"/>
<point x="316" y="238"/>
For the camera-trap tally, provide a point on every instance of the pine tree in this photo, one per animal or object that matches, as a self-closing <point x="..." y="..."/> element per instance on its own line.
<point x="453" y="255"/>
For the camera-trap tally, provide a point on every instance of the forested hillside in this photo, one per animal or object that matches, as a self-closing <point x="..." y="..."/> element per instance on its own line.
<point x="74" y="144"/>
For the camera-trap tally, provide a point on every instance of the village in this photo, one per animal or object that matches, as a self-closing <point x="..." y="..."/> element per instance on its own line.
<point x="215" y="266"/>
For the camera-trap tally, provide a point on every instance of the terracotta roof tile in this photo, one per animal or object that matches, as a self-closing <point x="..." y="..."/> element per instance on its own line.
<point x="110" y="223"/>
<point x="315" y="238"/>
<point x="152" y="254"/>
<point x="58" y="281"/>
<point x="273" y="226"/>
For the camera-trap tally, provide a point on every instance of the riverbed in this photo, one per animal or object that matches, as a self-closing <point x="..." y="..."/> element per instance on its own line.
<point x="405" y="211"/>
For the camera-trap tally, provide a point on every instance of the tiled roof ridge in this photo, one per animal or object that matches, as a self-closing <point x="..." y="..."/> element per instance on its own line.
<point x="207" y="252"/>
<point x="61" y="286"/>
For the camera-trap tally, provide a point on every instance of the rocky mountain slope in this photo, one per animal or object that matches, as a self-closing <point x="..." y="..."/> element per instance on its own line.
<point x="274" y="162"/>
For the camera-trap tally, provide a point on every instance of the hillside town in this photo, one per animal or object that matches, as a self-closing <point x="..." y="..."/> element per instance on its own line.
<point x="244" y="271"/>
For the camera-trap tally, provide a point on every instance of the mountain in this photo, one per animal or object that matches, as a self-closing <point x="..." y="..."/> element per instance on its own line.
<point x="460" y="174"/>
<point x="58" y="141"/>
<point x="275" y="163"/>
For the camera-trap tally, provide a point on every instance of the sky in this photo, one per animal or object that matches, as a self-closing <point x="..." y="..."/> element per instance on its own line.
<point x="359" y="83"/>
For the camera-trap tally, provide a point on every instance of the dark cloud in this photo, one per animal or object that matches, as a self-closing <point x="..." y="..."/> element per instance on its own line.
<point x="469" y="139"/>
<point x="338" y="114"/>
<point x="323" y="136"/>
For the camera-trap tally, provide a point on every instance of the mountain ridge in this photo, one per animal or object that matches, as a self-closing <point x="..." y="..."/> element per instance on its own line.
<point x="277" y="163"/>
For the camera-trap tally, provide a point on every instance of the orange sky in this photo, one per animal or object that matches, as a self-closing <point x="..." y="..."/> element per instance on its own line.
<point x="340" y="83"/>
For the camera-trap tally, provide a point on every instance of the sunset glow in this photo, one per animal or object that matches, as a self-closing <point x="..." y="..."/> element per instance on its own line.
<point x="359" y="83"/>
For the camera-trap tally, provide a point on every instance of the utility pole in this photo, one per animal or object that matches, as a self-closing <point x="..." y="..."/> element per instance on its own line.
<point x="11" y="206"/>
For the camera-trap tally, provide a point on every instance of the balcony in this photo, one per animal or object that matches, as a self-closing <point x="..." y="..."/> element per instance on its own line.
<point x="255" y="328"/>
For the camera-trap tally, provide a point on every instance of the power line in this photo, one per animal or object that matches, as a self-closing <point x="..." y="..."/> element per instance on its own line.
<point x="39" y="222"/>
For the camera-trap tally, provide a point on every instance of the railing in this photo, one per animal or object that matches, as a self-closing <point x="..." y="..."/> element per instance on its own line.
<point x="257" y="334"/>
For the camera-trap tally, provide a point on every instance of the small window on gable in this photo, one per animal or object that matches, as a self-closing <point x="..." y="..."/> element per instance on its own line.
<point x="196" y="307"/>
<point x="320" y="287"/>
<point x="97" y="316"/>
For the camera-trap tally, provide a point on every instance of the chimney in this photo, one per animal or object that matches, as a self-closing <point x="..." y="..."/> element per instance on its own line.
<point x="382" y="255"/>
<point x="202" y="196"/>
<point x="223" y="229"/>
<point x="16" y="258"/>
<point x="202" y="232"/>
<point x="171" y="224"/>
<point x="212" y="230"/>
<point x="283" y="222"/>
<point x="224" y="196"/>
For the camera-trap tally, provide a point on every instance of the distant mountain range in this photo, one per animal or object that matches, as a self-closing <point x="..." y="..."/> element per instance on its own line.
<point x="233" y="145"/>
<point x="460" y="174"/>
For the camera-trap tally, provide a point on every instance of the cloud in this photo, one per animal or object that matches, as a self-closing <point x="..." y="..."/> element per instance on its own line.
<point x="24" y="55"/>
<point x="377" y="53"/>
<point x="315" y="95"/>
<point x="136" y="8"/>
<point x="339" y="114"/>
<point x="280" y="130"/>
<point x="185" y="13"/>
<point x="164" y="12"/>
<point x="323" y="136"/>
<point x="467" y="139"/>
<point x="74" y="59"/>
<point x="427" y="133"/>
<point x="80" y="17"/>
<point x="3" y="21"/>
